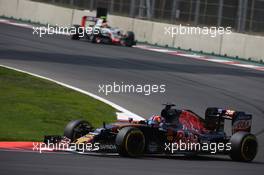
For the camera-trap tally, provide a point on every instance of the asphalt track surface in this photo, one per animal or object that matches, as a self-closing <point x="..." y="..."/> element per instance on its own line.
<point x="189" y="83"/>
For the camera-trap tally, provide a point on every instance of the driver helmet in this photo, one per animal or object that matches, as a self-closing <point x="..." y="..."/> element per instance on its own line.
<point x="157" y="119"/>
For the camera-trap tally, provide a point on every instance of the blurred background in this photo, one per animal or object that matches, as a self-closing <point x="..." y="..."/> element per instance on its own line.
<point x="246" y="16"/>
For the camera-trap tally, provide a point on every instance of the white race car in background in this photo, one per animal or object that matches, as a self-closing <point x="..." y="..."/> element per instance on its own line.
<point x="102" y="33"/>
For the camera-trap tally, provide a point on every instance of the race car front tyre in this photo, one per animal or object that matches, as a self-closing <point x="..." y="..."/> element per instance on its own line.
<point x="244" y="146"/>
<point x="130" y="142"/>
<point x="130" y="39"/>
<point x="76" y="129"/>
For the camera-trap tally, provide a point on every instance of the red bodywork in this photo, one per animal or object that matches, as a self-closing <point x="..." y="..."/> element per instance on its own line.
<point x="191" y="121"/>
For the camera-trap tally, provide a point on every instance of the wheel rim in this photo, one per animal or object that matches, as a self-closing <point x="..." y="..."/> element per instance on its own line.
<point x="249" y="148"/>
<point x="135" y="143"/>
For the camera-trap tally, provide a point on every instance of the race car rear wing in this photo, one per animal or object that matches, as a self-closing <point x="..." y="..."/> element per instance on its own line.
<point x="91" y="19"/>
<point x="241" y="122"/>
<point x="215" y="117"/>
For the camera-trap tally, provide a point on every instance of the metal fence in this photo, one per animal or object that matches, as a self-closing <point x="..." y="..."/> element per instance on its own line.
<point x="241" y="15"/>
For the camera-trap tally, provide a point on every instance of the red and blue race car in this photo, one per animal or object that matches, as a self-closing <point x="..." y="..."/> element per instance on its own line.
<point x="175" y="131"/>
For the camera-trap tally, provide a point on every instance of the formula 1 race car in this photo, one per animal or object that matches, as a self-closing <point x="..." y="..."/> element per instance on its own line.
<point x="96" y="30"/>
<point x="174" y="132"/>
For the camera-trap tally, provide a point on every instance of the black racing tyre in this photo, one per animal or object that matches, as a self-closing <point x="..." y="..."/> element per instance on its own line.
<point x="244" y="146"/>
<point x="76" y="129"/>
<point x="130" y="142"/>
<point x="76" y="36"/>
<point x="130" y="39"/>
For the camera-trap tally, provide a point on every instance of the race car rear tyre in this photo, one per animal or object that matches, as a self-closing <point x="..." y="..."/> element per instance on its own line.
<point x="130" y="39"/>
<point x="130" y="142"/>
<point x="76" y="35"/>
<point x="76" y="129"/>
<point x="244" y="146"/>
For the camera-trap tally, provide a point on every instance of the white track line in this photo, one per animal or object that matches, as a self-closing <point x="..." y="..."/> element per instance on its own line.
<point x="123" y="113"/>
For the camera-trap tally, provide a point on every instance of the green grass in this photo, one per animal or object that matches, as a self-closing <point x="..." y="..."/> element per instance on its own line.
<point x="31" y="107"/>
